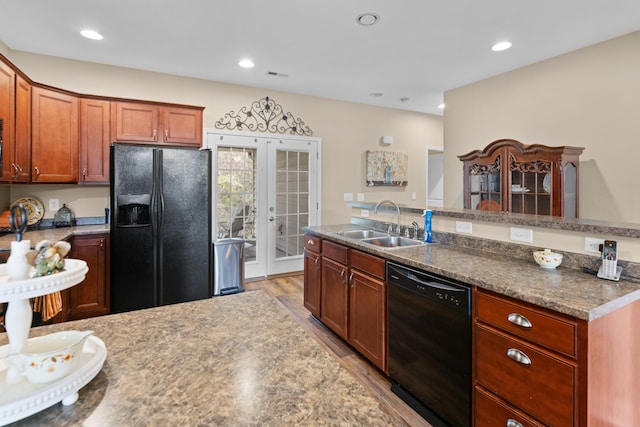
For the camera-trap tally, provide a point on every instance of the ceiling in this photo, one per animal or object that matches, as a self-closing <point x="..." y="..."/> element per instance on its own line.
<point x="417" y="50"/>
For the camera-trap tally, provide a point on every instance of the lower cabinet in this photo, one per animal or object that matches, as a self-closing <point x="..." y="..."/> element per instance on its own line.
<point x="351" y="297"/>
<point x="90" y="298"/>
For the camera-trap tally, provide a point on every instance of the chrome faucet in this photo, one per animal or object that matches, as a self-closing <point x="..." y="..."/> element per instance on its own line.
<point x="416" y="227"/>
<point x="375" y="211"/>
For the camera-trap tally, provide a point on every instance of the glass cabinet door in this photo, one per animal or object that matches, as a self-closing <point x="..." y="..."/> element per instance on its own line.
<point x="531" y="185"/>
<point x="485" y="187"/>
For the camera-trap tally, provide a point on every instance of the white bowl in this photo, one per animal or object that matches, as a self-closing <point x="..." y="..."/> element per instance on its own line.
<point x="547" y="259"/>
<point x="50" y="357"/>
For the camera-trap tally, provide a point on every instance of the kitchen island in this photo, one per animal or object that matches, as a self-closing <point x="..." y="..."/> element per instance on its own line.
<point x="549" y="346"/>
<point x="232" y="360"/>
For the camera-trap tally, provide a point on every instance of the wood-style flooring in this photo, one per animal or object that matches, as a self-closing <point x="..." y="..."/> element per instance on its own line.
<point x="288" y="291"/>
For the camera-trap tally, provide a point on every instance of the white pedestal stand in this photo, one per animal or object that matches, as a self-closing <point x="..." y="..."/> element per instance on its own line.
<point x="19" y="398"/>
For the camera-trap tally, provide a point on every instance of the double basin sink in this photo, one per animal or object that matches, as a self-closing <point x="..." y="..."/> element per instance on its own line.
<point x="379" y="239"/>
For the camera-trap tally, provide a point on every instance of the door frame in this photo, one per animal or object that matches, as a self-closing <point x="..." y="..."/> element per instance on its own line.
<point x="211" y="140"/>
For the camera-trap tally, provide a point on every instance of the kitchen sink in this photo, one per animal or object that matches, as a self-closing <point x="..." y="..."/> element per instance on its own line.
<point x="392" y="242"/>
<point x="361" y="234"/>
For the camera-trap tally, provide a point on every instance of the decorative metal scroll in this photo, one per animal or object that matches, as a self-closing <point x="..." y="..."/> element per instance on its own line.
<point x="477" y="169"/>
<point x="264" y="115"/>
<point x="538" y="166"/>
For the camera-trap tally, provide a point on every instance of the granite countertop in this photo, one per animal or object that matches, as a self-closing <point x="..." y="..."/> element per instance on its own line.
<point x="564" y="290"/>
<point x="233" y="360"/>
<point x="53" y="234"/>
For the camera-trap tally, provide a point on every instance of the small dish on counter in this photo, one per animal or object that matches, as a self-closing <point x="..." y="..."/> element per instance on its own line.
<point x="547" y="258"/>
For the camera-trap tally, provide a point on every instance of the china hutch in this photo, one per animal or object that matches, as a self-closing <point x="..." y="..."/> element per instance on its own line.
<point x="509" y="176"/>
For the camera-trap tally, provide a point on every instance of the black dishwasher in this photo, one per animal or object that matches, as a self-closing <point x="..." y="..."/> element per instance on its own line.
<point x="430" y="344"/>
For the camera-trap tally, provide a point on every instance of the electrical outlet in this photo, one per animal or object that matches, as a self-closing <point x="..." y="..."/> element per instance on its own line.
<point x="524" y="235"/>
<point x="361" y="197"/>
<point x="591" y="244"/>
<point x="463" y="227"/>
<point x="54" y="204"/>
<point x="347" y="197"/>
<point x="364" y="213"/>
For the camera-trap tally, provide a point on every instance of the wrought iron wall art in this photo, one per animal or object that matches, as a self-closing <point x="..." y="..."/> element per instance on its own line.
<point x="264" y="115"/>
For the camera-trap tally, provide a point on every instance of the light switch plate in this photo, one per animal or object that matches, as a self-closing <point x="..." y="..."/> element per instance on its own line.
<point x="364" y="213"/>
<point x="361" y="197"/>
<point x="348" y="197"/>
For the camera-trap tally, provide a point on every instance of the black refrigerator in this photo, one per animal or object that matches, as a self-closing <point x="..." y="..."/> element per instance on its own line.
<point x="160" y="226"/>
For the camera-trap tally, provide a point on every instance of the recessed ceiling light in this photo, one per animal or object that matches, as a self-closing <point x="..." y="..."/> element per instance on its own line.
<point x="90" y="34"/>
<point x="501" y="46"/>
<point x="246" y="63"/>
<point x="367" y="19"/>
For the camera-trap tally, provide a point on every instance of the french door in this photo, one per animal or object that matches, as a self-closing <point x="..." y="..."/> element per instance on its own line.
<point x="266" y="190"/>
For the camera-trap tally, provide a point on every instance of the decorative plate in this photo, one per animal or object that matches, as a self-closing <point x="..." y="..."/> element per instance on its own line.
<point x="546" y="183"/>
<point x="34" y="207"/>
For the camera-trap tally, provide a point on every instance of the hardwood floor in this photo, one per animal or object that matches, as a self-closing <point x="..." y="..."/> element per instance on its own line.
<point x="288" y="291"/>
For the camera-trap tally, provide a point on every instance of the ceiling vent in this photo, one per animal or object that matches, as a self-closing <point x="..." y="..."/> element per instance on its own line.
<point x="273" y="73"/>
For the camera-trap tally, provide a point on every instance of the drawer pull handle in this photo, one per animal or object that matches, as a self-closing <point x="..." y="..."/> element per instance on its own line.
<point x="513" y="423"/>
<point x="519" y="320"/>
<point x="518" y="356"/>
<point x="310" y="242"/>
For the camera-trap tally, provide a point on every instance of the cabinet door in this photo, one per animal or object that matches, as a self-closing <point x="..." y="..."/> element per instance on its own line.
<point x="312" y="282"/>
<point x="94" y="141"/>
<point x="7" y="111"/>
<point x="90" y="297"/>
<point x="22" y="146"/>
<point x="367" y="317"/>
<point x="335" y="294"/>
<point x="135" y="122"/>
<point x="54" y="150"/>
<point x="182" y="126"/>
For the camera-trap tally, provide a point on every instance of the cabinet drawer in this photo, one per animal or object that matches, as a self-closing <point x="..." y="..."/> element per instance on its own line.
<point x="537" y="326"/>
<point x="367" y="263"/>
<point x="491" y="412"/>
<point x="335" y="251"/>
<point x="313" y="243"/>
<point x="544" y="387"/>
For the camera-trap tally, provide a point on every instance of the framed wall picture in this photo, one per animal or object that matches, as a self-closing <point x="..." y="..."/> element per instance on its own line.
<point x="388" y="168"/>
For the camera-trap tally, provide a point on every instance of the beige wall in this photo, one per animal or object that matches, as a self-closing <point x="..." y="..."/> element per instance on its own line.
<point x="588" y="98"/>
<point x="347" y="130"/>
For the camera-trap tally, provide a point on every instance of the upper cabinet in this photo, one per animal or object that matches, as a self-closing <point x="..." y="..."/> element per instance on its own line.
<point x="54" y="146"/>
<point x="156" y="124"/>
<point x="15" y="112"/>
<point x="95" y="138"/>
<point x="509" y="176"/>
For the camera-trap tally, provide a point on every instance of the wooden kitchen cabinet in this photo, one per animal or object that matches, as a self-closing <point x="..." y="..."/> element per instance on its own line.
<point x="54" y="125"/>
<point x="347" y="291"/>
<point x="15" y="110"/>
<point x="539" y="367"/>
<point x="367" y="329"/>
<point x="95" y="140"/>
<point x="312" y="274"/>
<point x="334" y="301"/>
<point x="156" y="124"/>
<point x="89" y="298"/>
<point x="509" y="176"/>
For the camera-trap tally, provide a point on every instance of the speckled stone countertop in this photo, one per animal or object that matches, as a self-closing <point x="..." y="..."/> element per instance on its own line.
<point x="565" y="290"/>
<point x="236" y="360"/>
<point x="53" y="234"/>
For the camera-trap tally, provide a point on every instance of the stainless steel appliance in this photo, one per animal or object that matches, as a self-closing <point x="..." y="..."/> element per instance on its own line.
<point x="430" y="344"/>
<point x="160" y="226"/>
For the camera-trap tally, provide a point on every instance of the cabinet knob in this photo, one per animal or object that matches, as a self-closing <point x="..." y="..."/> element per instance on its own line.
<point x="519" y="320"/>
<point x="37" y="173"/>
<point x="513" y="423"/>
<point x="155" y="135"/>
<point x="518" y="356"/>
